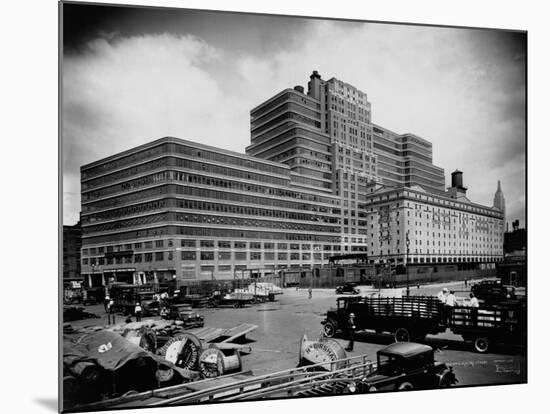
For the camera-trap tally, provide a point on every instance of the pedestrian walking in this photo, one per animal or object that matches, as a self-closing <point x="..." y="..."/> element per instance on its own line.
<point x="137" y="312"/>
<point x="111" y="312"/>
<point x="350" y="329"/>
<point x="310" y="292"/>
<point x="106" y="302"/>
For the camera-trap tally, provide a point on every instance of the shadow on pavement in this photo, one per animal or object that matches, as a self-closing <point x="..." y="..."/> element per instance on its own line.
<point x="438" y="343"/>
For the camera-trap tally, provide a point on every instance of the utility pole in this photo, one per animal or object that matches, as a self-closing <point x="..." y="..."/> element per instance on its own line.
<point x="407" y="242"/>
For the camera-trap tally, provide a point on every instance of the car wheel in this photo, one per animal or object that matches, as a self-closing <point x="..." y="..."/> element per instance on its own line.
<point x="329" y="330"/>
<point x="481" y="344"/>
<point x="402" y="335"/>
<point x="405" y="386"/>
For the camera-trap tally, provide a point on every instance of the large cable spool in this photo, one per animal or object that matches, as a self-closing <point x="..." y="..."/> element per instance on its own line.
<point x="213" y="362"/>
<point x="144" y="337"/>
<point x="182" y="350"/>
<point x="324" y="351"/>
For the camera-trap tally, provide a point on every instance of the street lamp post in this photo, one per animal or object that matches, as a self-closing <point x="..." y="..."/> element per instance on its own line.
<point x="92" y="275"/>
<point x="408" y="242"/>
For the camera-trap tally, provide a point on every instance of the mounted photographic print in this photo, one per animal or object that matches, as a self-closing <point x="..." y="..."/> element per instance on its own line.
<point x="262" y="207"/>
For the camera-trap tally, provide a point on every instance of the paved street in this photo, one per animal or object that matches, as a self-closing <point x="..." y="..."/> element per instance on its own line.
<point x="281" y="325"/>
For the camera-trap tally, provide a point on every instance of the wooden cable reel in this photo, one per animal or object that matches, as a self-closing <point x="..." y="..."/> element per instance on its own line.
<point x="213" y="362"/>
<point x="182" y="350"/>
<point x="324" y="351"/>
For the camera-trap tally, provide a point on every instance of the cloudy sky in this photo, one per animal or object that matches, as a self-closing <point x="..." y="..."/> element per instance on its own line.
<point x="131" y="75"/>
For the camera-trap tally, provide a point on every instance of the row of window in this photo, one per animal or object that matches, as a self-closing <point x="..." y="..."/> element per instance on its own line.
<point x="209" y="219"/>
<point x="204" y="232"/>
<point x="123" y="161"/>
<point x="297" y="136"/>
<point x="284" y="108"/>
<point x="146" y="167"/>
<point x="285" y="97"/>
<point x="203" y="256"/>
<point x="206" y="206"/>
<point x="221" y="244"/>
<point x="167" y="148"/>
<point x="285" y="117"/>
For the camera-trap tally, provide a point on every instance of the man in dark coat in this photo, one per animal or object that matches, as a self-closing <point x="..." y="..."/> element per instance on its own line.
<point x="350" y="329"/>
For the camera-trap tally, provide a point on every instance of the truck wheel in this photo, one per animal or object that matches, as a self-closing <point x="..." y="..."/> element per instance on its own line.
<point x="236" y="305"/>
<point x="481" y="344"/>
<point x="402" y="335"/>
<point x="329" y="330"/>
<point x="405" y="386"/>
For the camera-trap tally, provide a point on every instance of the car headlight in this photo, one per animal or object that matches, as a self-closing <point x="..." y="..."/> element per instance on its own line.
<point x="352" y="387"/>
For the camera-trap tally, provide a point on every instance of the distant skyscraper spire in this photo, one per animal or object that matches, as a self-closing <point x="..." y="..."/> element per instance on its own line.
<point x="498" y="201"/>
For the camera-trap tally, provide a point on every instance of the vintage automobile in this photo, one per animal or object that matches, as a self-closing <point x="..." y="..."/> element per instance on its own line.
<point x="350" y="288"/>
<point x="183" y="313"/>
<point x="407" y="366"/>
<point x="151" y="307"/>
<point x="493" y="291"/>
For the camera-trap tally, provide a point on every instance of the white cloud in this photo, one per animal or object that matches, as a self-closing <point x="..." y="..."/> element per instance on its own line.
<point x="126" y="92"/>
<point x="428" y="81"/>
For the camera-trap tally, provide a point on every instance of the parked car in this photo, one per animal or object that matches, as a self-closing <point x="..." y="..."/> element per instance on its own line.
<point x="184" y="313"/>
<point x="349" y="288"/>
<point x="407" y="366"/>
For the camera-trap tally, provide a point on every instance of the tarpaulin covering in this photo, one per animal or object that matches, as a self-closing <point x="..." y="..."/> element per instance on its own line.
<point x="108" y="349"/>
<point x="123" y="366"/>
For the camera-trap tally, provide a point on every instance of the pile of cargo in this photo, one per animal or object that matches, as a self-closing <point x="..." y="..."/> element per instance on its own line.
<point x="107" y="362"/>
<point x="74" y="313"/>
<point x="103" y="364"/>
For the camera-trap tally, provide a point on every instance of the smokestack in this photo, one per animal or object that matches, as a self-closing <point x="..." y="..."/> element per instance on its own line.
<point x="456" y="180"/>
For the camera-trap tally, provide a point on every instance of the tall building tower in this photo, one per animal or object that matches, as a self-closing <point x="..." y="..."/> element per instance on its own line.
<point x="499" y="202"/>
<point x="328" y="139"/>
<point x="325" y="136"/>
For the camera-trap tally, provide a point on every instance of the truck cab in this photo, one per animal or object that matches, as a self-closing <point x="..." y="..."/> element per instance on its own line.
<point x="493" y="291"/>
<point x="407" y="366"/>
<point x="185" y="314"/>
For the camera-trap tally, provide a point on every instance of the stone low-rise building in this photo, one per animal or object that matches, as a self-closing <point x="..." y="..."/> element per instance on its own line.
<point x="411" y="225"/>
